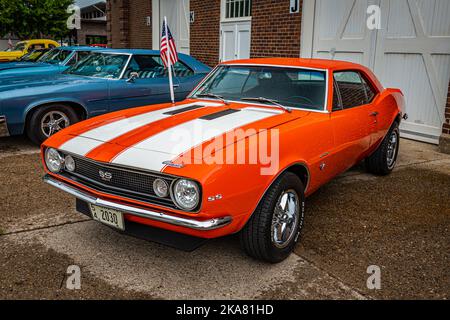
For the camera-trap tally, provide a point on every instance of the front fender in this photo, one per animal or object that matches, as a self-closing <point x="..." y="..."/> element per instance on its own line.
<point x="38" y="103"/>
<point x="10" y="56"/>
<point x="17" y="118"/>
<point x="235" y="189"/>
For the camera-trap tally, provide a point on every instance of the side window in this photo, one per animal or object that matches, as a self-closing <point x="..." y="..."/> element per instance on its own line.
<point x="146" y="67"/>
<point x="370" y="92"/>
<point x="37" y="46"/>
<point x="351" y="88"/>
<point x="152" y="67"/>
<point x="337" y="105"/>
<point x="179" y="69"/>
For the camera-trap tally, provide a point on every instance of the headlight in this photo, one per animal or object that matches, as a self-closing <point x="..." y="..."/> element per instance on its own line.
<point x="69" y="163"/>
<point x="53" y="160"/>
<point x="161" y="188"/>
<point x="186" y="194"/>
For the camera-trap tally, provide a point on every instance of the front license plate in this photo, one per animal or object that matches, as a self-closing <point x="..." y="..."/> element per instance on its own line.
<point x="110" y="217"/>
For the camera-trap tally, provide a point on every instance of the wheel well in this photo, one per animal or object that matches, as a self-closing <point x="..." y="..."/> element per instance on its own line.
<point x="302" y="172"/>
<point x="78" y="108"/>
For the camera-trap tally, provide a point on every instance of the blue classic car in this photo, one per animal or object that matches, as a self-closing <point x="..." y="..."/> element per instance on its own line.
<point x="104" y="81"/>
<point x="55" y="61"/>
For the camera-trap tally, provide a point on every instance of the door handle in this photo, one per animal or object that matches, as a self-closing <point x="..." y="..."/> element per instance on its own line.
<point x="374" y="114"/>
<point x="176" y="86"/>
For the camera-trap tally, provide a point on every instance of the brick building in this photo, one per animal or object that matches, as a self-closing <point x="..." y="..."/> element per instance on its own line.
<point x="93" y="23"/>
<point x="411" y="52"/>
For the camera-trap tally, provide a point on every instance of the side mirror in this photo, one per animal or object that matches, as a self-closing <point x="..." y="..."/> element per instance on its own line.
<point x="133" y="76"/>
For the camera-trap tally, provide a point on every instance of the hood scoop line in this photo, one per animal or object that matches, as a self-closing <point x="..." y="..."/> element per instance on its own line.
<point x="175" y="112"/>
<point x="219" y="114"/>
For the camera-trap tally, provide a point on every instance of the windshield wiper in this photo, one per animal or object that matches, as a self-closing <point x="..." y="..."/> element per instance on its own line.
<point x="267" y="100"/>
<point x="212" y="95"/>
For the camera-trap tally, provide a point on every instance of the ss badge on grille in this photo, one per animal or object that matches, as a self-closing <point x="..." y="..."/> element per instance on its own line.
<point x="105" y="176"/>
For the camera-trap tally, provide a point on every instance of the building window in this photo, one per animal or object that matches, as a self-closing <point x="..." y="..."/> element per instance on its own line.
<point x="238" y="9"/>
<point x="91" y="39"/>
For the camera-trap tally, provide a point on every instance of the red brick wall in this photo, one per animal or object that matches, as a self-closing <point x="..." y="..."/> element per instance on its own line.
<point x="140" y="35"/>
<point x="275" y="32"/>
<point x="117" y="23"/>
<point x="205" y="31"/>
<point x="90" y="28"/>
<point x="446" y="126"/>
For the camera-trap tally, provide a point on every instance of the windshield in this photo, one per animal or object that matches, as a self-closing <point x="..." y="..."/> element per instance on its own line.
<point x="291" y="87"/>
<point x="100" y="65"/>
<point x="20" y="46"/>
<point x="32" y="56"/>
<point x="55" y="56"/>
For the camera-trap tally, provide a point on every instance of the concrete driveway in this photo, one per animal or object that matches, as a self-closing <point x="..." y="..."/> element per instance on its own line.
<point x="400" y="223"/>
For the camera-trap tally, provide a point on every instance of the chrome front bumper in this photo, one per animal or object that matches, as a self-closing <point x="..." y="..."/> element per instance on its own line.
<point x="205" y="225"/>
<point x="3" y="127"/>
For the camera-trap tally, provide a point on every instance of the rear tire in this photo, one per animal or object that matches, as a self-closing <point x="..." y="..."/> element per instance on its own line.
<point x="49" y="119"/>
<point x="281" y="208"/>
<point x="383" y="160"/>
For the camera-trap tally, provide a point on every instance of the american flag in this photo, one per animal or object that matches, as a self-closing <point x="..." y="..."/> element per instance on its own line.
<point x="173" y="58"/>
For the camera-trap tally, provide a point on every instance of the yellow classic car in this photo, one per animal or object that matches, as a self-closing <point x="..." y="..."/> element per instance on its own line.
<point x="23" y="47"/>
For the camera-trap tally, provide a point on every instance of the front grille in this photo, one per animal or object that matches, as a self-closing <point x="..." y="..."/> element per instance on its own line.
<point x="118" y="181"/>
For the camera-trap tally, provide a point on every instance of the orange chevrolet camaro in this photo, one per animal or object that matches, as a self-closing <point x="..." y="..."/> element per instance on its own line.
<point x="239" y="155"/>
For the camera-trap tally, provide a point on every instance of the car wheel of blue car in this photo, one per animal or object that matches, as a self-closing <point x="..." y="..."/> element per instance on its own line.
<point x="47" y="120"/>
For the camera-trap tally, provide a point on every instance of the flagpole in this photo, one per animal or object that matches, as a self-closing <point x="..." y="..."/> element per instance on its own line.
<point x="169" y="62"/>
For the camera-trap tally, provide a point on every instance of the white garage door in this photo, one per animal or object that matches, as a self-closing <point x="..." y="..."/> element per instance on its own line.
<point x="411" y="51"/>
<point x="177" y="13"/>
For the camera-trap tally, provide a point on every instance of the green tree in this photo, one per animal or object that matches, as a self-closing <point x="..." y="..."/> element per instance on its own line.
<point x="29" y="19"/>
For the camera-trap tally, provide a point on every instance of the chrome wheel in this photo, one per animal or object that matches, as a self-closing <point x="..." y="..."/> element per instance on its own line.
<point x="53" y="122"/>
<point x="391" y="155"/>
<point x="285" y="218"/>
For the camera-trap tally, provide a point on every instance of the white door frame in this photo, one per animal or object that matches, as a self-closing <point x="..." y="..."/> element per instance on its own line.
<point x="231" y="21"/>
<point x="156" y="26"/>
<point x="307" y="32"/>
<point x="156" y="37"/>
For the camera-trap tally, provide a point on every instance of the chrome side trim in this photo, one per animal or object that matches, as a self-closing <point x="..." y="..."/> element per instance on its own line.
<point x="4" y="132"/>
<point x="145" y="213"/>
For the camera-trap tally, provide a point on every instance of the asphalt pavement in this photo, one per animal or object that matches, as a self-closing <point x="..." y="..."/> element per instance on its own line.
<point x="399" y="223"/>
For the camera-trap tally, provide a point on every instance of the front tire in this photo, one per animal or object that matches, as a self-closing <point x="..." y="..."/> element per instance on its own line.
<point x="47" y="120"/>
<point x="274" y="228"/>
<point x="383" y="160"/>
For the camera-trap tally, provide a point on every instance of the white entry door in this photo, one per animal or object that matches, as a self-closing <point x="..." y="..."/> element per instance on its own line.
<point x="235" y="40"/>
<point x="411" y="51"/>
<point x="177" y="13"/>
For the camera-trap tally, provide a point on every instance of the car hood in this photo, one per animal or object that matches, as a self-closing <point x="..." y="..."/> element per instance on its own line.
<point x="15" y="65"/>
<point x="148" y="137"/>
<point x="5" y="54"/>
<point x="57" y="81"/>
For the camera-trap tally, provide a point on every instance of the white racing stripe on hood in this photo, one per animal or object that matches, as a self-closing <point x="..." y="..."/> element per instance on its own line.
<point x="170" y="144"/>
<point x="91" y="139"/>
